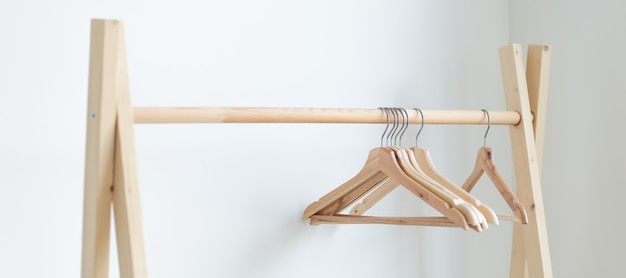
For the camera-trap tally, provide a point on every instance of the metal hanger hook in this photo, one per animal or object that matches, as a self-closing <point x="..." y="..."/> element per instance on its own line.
<point x="386" y="111"/>
<point x="392" y="138"/>
<point x="405" y="123"/>
<point x="488" y="127"/>
<point x="422" y="126"/>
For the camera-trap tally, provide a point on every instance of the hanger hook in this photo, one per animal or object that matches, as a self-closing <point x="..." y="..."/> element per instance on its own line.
<point x="384" y="109"/>
<point x="393" y="136"/>
<point x="405" y="123"/>
<point x="488" y="126"/>
<point x="400" y="125"/>
<point x="422" y="126"/>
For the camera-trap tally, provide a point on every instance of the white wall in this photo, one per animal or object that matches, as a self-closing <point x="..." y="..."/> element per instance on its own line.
<point x="226" y="200"/>
<point x="585" y="155"/>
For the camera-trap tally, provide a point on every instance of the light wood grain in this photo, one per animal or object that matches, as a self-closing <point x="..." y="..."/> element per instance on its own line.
<point x="100" y="146"/>
<point x="351" y="197"/>
<point x="422" y="156"/>
<point x="360" y="219"/>
<point x="420" y="159"/>
<point x="384" y="160"/>
<point x="410" y="168"/>
<point x="311" y="115"/>
<point x="435" y="221"/>
<point x="376" y="195"/>
<point x="537" y="78"/>
<point x="485" y="164"/>
<point x="368" y="171"/>
<point x="126" y="200"/>
<point x="535" y="234"/>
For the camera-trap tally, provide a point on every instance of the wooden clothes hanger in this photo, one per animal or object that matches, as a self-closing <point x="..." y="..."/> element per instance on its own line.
<point x="408" y="163"/>
<point x="474" y="217"/>
<point x="423" y="159"/>
<point x="420" y="161"/>
<point x="486" y="164"/>
<point x="381" y="164"/>
<point x="385" y="165"/>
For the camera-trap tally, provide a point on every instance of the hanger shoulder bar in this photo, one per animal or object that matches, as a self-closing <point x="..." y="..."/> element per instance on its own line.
<point x="312" y="115"/>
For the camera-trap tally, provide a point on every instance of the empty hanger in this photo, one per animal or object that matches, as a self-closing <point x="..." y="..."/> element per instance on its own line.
<point x="486" y="164"/>
<point x="407" y="162"/>
<point x="464" y="202"/>
<point x="422" y="156"/>
<point x="382" y="164"/>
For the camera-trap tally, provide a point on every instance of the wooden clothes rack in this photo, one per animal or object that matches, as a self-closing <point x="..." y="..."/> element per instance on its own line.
<point x="111" y="164"/>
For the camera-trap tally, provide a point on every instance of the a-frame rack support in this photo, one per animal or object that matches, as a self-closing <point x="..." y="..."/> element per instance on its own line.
<point x="111" y="166"/>
<point x="530" y="255"/>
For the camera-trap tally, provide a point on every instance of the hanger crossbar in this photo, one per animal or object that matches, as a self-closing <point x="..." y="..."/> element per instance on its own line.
<point x="162" y="115"/>
<point x="434" y="221"/>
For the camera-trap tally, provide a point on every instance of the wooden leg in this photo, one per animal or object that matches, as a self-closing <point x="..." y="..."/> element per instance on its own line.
<point x="537" y="78"/>
<point x="126" y="199"/>
<point x="110" y="164"/>
<point x="534" y="234"/>
<point x="100" y="147"/>
<point x="519" y="266"/>
<point x="127" y="205"/>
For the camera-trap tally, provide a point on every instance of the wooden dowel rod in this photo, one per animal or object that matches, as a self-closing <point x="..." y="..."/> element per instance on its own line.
<point x="155" y="115"/>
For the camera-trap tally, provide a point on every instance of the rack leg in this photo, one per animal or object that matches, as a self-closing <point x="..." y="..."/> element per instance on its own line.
<point x="534" y="234"/>
<point x="126" y="199"/>
<point x="537" y="77"/>
<point x="110" y="164"/>
<point x="519" y="264"/>
<point x="100" y="147"/>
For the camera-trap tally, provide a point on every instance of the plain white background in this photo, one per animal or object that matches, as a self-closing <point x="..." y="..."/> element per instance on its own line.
<point x="226" y="200"/>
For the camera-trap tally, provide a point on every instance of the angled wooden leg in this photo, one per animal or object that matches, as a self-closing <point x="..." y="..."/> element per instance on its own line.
<point x="534" y="234"/>
<point x="110" y="164"/>
<point x="100" y="148"/>
<point x="126" y="202"/>
<point x="126" y="199"/>
<point x="519" y="265"/>
<point x="537" y="78"/>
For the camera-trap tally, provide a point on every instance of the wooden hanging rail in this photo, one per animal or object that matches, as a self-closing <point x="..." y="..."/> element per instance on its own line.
<point x="153" y="115"/>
